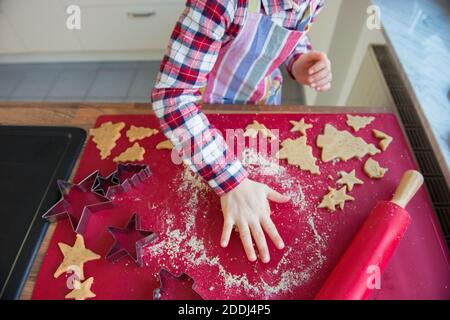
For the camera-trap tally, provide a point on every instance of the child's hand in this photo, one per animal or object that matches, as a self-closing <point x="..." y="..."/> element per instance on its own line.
<point x="313" y="69"/>
<point x="247" y="207"/>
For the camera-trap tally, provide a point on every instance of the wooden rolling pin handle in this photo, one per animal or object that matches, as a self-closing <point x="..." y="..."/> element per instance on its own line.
<point x="411" y="181"/>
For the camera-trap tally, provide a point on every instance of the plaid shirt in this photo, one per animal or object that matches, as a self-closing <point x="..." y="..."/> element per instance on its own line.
<point x="203" y="28"/>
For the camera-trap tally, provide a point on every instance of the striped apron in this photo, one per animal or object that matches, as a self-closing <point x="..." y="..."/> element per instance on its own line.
<point x="246" y="70"/>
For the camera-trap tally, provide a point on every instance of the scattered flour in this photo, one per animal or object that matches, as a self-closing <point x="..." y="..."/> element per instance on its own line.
<point x="185" y="246"/>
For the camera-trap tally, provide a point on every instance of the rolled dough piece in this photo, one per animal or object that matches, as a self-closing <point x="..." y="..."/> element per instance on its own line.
<point x="335" y="198"/>
<point x="340" y="196"/>
<point x="385" y="140"/>
<point x="300" y="126"/>
<point x="105" y="137"/>
<point x="349" y="179"/>
<point x="75" y="257"/>
<point x="328" y="202"/>
<point x="81" y="290"/>
<point x="139" y="133"/>
<point x="358" y="122"/>
<point x="342" y="145"/>
<point x="166" y="144"/>
<point x="252" y="130"/>
<point x="133" y="153"/>
<point x="299" y="154"/>
<point x="373" y="169"/>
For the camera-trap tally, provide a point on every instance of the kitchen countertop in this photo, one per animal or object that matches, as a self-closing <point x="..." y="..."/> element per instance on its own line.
<point x="418" y="32"/>
<point x="84" y="115"/>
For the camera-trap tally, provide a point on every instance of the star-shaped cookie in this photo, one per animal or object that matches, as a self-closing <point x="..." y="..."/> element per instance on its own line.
<point x="340" y="196"/>
<point x="335" y="198"/>
<point x="349" y="179"/>
<point x="300" y="126"/>
<point x="328" y="202"/>
<point x="75" y="257"/>
<point x="82" y="290"/>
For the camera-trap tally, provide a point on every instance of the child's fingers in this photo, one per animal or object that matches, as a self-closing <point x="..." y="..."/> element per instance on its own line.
<point x="275" y="196"/>
<point x="319" y="66"/>
<point x="322" y="82"/>
<point x="260" y="241"/>
<point x="246" y="239"/>
<point x="272" y="231"/>
<point x="322" y="64"/>
<point x="324" y="88"/>
<point x="226" y="232"/>
<point x="319" y="75"/>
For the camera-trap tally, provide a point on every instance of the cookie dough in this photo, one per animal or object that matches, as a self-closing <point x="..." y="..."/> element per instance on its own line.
<point x="81" y="290"/>
<point x="300" y="126"/>
<point x="373" y="169"/>
<point x="164" y="145"/>
<point x="335" y="198"/>
<point x="328" y="202"/>
<point x="133" y="153"/>
<point x="298" y="153"/>
<point x="252" y="130"/>
<point x="105" y="137"/>
<point x="75" y="257"/>
<point x="349" y="179"/>
<point x="139" y="133"/>
<point x="358" y="122"/>
<point x="385" y="140"/>
<point x="342" y="145"/>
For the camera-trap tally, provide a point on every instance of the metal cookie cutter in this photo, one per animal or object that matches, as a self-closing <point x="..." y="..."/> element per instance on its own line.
<point x="129" y="241"/>
<point x="175" y="287"/>
<point x="94" y="193"/>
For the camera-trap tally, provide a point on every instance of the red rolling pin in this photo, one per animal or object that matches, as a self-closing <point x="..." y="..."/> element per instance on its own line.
<point x="373" y="245"/>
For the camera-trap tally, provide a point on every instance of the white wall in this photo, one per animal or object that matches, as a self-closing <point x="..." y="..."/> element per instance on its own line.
<point x="321" y="36"/>
<point x="345" y="39"/>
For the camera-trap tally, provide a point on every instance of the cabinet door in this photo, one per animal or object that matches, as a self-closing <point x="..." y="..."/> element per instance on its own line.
<point x="10" y="42"/>
<point x="125" y="27"/>
<point x="40" y="24"/>
<point x="120" y="2"/>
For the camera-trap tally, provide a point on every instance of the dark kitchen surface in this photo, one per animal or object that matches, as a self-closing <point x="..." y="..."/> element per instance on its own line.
<point x="31" y="160"/>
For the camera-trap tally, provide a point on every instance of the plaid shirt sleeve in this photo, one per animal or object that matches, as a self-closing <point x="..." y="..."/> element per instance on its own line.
<point x="304" y="44"/>
<point x="192" y="51"/>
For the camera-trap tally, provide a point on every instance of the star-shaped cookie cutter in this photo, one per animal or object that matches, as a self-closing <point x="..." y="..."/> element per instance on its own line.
<point x="183" y="285"/>
<point x="78" y="202"/>
<point x="129" y="241"/>
<point x="126" y="176"/>
<point x="94" y="193"/>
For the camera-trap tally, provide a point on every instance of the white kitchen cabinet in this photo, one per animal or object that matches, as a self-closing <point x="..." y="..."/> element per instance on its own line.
<point x="10" y="42"/>
<point x="35" y="30"/>
<point x="125" y="27"/>
<point x="120" y="2"/>
<point x="40" y="25"/>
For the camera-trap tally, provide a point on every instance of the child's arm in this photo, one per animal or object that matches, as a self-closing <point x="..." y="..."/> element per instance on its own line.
<point x="191" y="54"/>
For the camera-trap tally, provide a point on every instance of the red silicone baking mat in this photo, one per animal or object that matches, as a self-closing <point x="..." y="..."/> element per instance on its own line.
<point x="186" y="215"/>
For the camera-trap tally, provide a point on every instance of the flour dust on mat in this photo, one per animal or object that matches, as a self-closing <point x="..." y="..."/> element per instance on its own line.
<point x="184" y="242"/>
